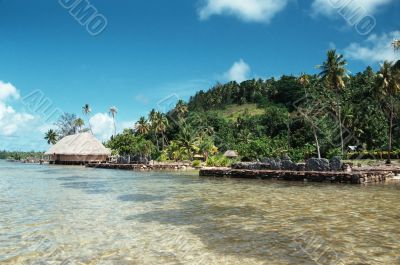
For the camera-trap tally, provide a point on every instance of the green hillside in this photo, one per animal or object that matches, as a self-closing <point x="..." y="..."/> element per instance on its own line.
<point x="234" y="111"/>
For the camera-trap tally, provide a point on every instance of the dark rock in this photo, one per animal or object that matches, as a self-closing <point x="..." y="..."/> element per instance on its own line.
<point x="251" y="166"/>
<point x="286" y="157"/>
<point x="275" y="164"/>
<point x="316" y="164"/>
<point x="288" y="165"/>
<point x="336" y="164"/>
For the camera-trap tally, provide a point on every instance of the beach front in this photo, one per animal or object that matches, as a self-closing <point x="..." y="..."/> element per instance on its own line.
<point x="76" y="215"/>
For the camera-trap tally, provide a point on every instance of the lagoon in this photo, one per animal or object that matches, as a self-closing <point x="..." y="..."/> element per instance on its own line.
<point x="77" y="215"/>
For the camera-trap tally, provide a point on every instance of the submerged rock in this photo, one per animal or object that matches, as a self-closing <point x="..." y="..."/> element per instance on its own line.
<point x="316" y="164"/>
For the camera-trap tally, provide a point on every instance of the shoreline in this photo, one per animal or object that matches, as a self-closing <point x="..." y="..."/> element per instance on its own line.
<point x="352" y="177"/>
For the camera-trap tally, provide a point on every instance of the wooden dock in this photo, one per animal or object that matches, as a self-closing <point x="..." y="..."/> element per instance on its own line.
<point x="355" y="177"/>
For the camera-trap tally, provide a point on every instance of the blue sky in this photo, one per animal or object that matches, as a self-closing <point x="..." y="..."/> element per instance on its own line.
<point x="155" y="51"/>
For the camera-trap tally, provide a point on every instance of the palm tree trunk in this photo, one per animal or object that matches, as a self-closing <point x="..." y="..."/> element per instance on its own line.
<point x="389" y="160"/>
<point x="90" y="126"/>
<point x="158" y="146"/>
<point x="315" y="133"/>
<point x="316" y="141"/>
<point x="340" y="127"/>
<point x="288" y="131"/>
<point x="115" y="127"/>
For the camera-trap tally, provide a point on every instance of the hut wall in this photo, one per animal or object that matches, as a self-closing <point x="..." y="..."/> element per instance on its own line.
<point x="67" y="159"/>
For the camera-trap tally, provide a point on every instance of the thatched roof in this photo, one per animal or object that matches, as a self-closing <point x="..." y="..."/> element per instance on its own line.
<point x="231" y="153"/>
<point x="79" y="144"/>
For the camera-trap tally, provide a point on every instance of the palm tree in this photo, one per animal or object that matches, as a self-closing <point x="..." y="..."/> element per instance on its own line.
<point x="86" y="111"/>
<point x="188" y="140"/>
<point x="181" y="109"/>
<point x="142" y="126"/>
<point x="152" y="122"/>
<point x="51" y="137"/>
<point x="160" y="126"/>
<point x="333" y="73"/>
<point x="152" y="115"/>
<point x="113" y="112"/>
<point x="79" y="123"/>
<point x="304" y="80"/>
<point x="389" y="86"/>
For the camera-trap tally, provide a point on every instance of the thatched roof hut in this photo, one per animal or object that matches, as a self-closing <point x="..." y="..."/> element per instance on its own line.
<point x="79" y="148"/>
<point x="231" y="154"/>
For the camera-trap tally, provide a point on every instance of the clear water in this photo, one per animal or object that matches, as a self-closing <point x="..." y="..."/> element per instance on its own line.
<point x="73" y="215"/>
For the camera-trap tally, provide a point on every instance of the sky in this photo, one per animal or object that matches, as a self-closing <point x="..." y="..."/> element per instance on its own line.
<point x="56" y="56"/>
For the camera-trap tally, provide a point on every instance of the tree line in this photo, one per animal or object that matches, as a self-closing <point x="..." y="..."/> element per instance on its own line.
<point x="309" y="115"/>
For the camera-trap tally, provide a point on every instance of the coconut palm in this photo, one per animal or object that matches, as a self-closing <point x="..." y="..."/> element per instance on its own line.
<point x="304" y="80"/>
<point x="151" y="120"/>
<point x="142" y="126"/>
<point x="160" y="126"/>
<point x="333" y="74"/>
<point x="51" y="137"/>
<point x="181" y="108"/>
<point x="188" y="140"/>
<point x="152" y="115"/>
<point x="113" y="112"/>
<point x="79" y="123"/>
<point x="389" y="87"/>
<point x="86" y="111"/>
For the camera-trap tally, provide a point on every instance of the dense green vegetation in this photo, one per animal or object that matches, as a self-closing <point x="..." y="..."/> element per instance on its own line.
<point x="303" y="116"/>
<point x="20" y="155"/>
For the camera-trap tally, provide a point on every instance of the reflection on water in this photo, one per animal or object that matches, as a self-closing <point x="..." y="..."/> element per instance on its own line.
<point x="73" y="215"/>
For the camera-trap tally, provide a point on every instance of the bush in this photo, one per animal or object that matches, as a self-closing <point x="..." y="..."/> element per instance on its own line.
<point x="377" y="154"/>
<point x="163" y="157"/>
<point x="196" y="163"/>
<point x="218" y="161"/>
<point x="335" y="152"/>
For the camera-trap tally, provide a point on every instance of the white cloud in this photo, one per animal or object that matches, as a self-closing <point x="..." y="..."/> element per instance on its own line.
<point x="7" y="91"/>
<point x="247" y="10"/>
<point x="332" y="7"/>
<point x="11" y="121"/>
<point x="374" y="49"/>
<point x="102" y="126"/>
<point x="239" y="72"/>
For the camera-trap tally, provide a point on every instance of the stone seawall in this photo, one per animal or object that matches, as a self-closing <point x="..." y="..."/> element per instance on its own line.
<point x="358" y="177"/>
<point x="139" y="166"/>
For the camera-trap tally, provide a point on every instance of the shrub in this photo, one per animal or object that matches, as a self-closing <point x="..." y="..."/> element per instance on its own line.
<point x="218" y="161"/>
<point x="376" y="154"/>
<point x="196" y="163"/>
<point x="334" y="152"/>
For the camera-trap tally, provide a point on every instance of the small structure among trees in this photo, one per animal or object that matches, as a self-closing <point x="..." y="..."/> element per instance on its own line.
<point x="231" y="154"/>
<point x="78" y="149"/>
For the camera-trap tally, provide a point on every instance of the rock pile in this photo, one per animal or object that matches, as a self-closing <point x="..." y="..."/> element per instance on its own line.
<point x="286" y="164"/>
<point x="336" y="164"/>
<point x="251" y="166"/>
<point x="318" y="164"/>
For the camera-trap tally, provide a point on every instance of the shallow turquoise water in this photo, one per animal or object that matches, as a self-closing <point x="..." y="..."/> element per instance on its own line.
<point x="74" y="215"/>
